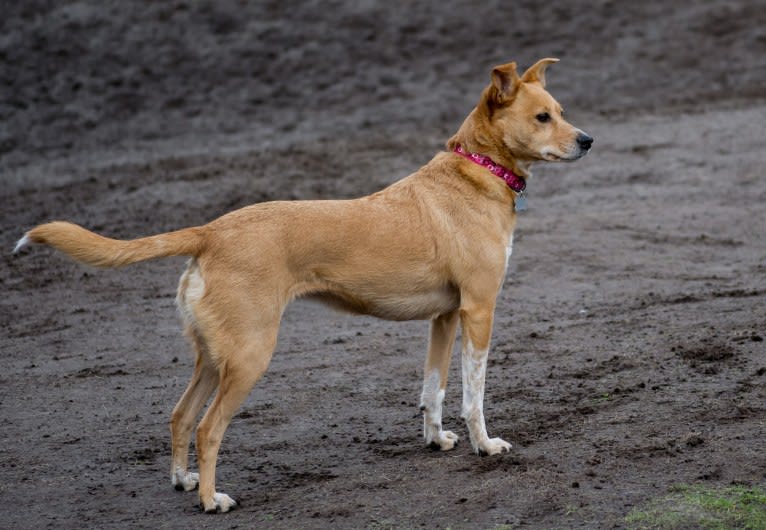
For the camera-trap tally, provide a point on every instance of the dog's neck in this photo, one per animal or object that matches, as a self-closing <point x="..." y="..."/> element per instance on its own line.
<point x="513" y="180"/>
<point x="473" y="138"/>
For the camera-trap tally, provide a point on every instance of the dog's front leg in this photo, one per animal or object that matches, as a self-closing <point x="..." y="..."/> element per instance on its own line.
<point x="435" y="381"/>
<point x="477" y="329"/>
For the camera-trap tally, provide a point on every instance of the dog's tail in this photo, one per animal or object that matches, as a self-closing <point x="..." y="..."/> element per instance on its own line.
<point x="92" y="249"/>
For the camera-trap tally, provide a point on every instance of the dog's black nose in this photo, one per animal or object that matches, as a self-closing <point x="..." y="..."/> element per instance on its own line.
<point x="584" y="141"/>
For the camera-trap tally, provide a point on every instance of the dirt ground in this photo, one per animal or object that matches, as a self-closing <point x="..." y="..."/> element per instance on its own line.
<point x="628" y="349"/>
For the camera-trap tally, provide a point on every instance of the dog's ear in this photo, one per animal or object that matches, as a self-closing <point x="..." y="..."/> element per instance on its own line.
<point x="505" y="81"/>
<point x="536" y="72"/>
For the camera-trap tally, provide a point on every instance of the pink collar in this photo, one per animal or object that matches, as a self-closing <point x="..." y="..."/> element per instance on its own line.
<point x="514" y="181"/>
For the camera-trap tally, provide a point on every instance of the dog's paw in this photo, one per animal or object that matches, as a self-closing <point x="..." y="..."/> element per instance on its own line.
<point x="492" y="446"/>
<point x="185" y="481"/>
<point x="443" y="441"/>
<point x="220" y="503"/>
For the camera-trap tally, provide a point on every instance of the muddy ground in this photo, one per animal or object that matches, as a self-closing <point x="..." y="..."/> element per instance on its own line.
<point x="628" y="350"/>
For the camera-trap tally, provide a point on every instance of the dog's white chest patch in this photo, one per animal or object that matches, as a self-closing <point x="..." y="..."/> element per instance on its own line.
<point x="508" y="251"/>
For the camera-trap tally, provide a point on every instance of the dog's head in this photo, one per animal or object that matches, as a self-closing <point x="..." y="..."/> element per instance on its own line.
<point x="522" y="117"/>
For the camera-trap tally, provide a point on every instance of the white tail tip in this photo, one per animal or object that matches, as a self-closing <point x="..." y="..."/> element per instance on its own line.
<point x="23" y="242"/>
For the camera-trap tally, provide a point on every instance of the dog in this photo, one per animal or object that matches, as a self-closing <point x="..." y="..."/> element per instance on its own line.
<point x="434" y="245"/>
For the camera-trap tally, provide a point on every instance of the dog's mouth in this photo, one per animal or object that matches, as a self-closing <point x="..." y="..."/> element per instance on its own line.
<point x="550" y="155"/>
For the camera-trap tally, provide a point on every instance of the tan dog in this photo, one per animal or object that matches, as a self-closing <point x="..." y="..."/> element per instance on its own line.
<point x="434" y="245"/>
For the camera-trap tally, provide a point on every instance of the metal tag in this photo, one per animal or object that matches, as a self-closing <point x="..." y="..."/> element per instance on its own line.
<point x="520" y="202"/>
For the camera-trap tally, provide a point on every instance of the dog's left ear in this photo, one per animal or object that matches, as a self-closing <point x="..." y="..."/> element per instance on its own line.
<point x="505" y="81"/>
<point x="536" y="72"/>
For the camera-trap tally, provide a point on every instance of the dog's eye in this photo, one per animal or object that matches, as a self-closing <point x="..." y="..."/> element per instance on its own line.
<point x="543" y="117"/>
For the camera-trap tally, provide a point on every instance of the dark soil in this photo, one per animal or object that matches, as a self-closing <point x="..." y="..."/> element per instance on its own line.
<point x="628" y="347"/>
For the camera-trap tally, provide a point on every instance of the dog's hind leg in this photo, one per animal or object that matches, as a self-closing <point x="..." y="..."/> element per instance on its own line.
<point x="239" y="370"/>
<point x="201" y="387"/>
<point x="435" y="381"/>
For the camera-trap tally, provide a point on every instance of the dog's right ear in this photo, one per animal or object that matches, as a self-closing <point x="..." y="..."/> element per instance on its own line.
<point x="536" y="72"/>
<point x="505" y="82"/>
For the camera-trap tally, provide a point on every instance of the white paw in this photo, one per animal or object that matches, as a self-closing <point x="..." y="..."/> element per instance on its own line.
<point x="492" y="446"/>
<point x="443" y="440"/>
<point x="185" y="481"/>
<point x="451" y="435"/>
<point x="220" y="503"/>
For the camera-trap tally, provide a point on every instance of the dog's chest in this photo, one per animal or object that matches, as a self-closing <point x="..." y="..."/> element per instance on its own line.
<point x="508" y="251"/>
